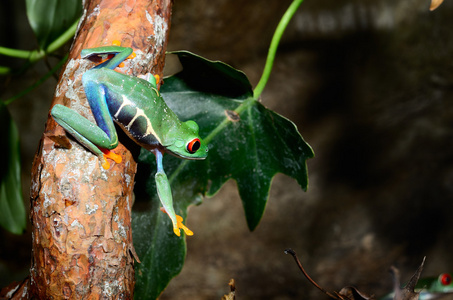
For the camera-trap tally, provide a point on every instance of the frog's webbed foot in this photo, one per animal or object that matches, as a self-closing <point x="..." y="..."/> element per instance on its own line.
<point x="179" y="225"/>
<point x="164" y="193"/>
<point x="106" y="153"/>
<point x="103" y="55"/>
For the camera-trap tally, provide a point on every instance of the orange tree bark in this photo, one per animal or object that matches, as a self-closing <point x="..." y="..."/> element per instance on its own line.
<point x="81" y="213"/>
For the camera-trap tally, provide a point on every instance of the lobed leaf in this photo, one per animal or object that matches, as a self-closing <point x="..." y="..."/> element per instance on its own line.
<point x="247" y="143"/>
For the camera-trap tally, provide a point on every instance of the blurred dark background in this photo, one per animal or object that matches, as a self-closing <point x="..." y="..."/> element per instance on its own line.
<point x="369" y="85"/>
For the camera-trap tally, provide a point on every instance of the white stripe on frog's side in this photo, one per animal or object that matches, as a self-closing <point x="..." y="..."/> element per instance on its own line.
<point x="140" y="112"/>
<point x="156" y="90"/>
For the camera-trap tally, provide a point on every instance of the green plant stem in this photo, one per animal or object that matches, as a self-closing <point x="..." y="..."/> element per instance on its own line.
<point x="273" y="47"/>
<point x="4" y="70"/>
<point x="37" y="83"/>
<point x="35" y="55"/>
<point x="62" y="39"/>
<point x="24" y="54"/>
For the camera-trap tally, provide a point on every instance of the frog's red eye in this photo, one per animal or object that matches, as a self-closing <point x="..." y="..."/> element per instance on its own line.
<point x="445" y="279"/>
<point x="193" y="145"/>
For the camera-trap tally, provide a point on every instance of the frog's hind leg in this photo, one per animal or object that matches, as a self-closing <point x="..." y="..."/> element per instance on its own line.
<point x="99" y="139"/>
<point x="96" y="95"/>
<point x="165" y="196"/>
<point x="84" y="131"/>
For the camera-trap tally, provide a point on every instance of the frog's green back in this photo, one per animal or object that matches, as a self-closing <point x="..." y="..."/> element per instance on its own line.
<point x="136" y="105"/>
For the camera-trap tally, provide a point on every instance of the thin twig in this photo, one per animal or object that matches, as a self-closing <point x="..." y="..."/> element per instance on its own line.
<point x="337" y="296"/>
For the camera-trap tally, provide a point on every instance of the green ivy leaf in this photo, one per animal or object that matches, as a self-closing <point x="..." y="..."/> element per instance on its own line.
<point x="12" y="209"/>
<point x="247" y="142"/>
<point x="51" y="18"/>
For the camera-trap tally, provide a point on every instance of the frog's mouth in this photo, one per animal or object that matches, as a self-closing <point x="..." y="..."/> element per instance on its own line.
<point x="185" y="156"/>
<point x="167" y="148"/>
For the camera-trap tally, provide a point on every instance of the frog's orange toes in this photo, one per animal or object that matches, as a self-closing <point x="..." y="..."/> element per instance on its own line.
<point x="105" y="164"/>
<point x="187" y="231"/>
<point x="179" y="225"/>
<point x="111" y="155"/>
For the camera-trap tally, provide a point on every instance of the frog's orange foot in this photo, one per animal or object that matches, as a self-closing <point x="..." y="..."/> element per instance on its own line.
<point x="179" y="225"/>
<point x="111" y="155"/>
<point x="187" y="231"/>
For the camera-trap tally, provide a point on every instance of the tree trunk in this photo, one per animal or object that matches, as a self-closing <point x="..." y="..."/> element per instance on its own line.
<point x="81" y="213"/>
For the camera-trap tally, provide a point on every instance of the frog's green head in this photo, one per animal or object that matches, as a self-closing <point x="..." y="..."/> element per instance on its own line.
<point x="188" y="143"/>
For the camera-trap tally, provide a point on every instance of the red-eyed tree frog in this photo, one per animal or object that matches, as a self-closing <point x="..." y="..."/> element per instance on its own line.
<point x="431" y="288"/>
<point x="136" y="106"/>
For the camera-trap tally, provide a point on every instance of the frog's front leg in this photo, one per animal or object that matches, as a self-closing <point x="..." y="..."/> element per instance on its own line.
<point x="164" y="192"/>
<point x="99" y="139"/>
<point x="120" y="55"/>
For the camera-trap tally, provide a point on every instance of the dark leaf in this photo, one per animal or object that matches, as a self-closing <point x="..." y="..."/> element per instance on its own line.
<point x="247" y="142"/>
<point x="12" y="210"/>
<point x="50" y="18"/>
